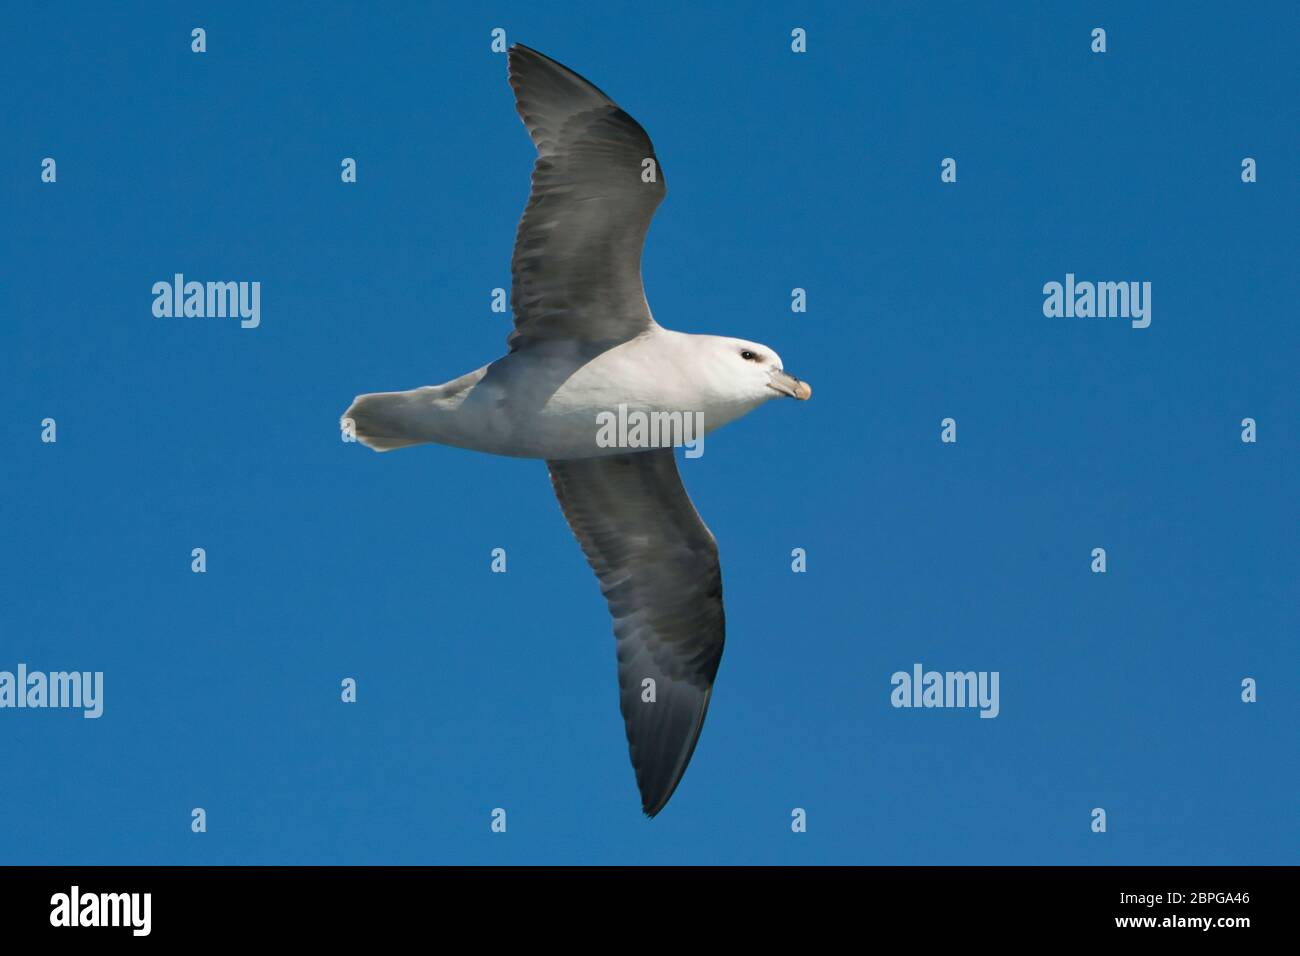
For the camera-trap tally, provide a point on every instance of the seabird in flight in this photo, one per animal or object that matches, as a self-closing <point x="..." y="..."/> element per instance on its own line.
<point x="584" y="345"/>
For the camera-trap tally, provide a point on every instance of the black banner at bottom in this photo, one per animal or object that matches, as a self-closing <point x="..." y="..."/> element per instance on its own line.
<point x="341" y="904"/>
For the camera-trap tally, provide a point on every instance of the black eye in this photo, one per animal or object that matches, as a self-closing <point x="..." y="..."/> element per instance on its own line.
<point x="748" y="356"/>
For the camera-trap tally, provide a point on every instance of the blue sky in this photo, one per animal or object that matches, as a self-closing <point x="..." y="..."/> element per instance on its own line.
<point x="481" y="690"/>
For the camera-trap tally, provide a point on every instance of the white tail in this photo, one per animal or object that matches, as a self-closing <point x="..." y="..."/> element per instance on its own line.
<point x="387" y="420"/>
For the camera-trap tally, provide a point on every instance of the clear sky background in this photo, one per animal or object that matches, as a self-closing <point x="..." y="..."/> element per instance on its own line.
<point x="481" y="690"/>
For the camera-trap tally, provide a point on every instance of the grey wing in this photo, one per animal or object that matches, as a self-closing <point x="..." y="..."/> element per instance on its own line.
<point x="658" y="568"/>
<point x="576" y="271"/>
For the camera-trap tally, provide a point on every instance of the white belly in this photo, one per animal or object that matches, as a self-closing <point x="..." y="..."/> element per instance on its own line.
<point x="558" y="405"/>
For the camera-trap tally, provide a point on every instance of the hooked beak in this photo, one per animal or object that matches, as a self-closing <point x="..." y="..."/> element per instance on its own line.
<point x="785" y="383"/>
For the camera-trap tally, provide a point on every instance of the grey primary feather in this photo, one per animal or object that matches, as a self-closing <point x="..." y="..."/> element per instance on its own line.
<point x="657" y="564"/>
<point x="576" y="268"/>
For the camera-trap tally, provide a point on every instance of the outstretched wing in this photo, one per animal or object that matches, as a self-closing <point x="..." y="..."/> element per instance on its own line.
<point x="576" y="269"/>
<point x="658" y="568"/>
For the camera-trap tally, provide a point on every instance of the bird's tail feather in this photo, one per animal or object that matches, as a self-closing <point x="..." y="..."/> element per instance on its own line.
<point x="386" y="420"/>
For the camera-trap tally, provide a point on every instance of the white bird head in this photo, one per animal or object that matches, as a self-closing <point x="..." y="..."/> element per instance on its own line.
<point x="753" y="372"/>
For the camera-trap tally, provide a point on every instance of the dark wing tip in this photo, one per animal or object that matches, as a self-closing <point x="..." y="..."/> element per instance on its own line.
<point x="519" y="54"/>
<point x="523" y="62"/>
<point x="651" y="808"/>
<point x="657" y="786"/>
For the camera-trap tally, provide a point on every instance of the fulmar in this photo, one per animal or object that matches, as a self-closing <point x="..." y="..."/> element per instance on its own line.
<point x="584" y="345"/>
